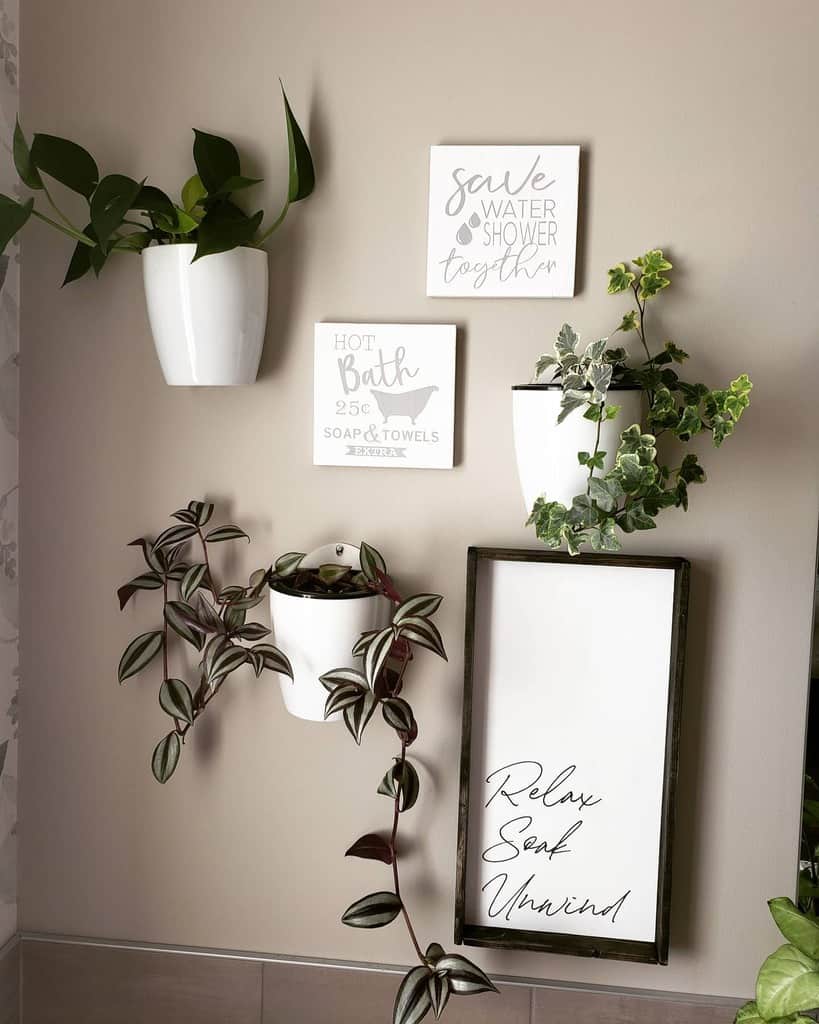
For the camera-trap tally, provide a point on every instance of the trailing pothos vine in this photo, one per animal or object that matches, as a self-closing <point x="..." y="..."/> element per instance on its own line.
<point x="637" y="487"/>
<point x="197" y="611"/>
<point x="357" y="694"/>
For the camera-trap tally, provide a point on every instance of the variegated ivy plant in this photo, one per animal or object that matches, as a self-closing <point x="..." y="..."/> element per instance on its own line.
<point x="200" y="613"/>
<point x="377" y="683"/>
<point x="787" y="985"/>
<point x="631" y="494"/>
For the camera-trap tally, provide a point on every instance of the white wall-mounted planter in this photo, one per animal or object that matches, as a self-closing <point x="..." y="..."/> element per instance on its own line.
<point x="317" y="632"/>
<point x="207" y="318"/>
<point x="546" y="451"/>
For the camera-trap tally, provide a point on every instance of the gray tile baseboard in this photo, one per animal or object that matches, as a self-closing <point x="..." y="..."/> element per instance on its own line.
<point x="69" y="979"/>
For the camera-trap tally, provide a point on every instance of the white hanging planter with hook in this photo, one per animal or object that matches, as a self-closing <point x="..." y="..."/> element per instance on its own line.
<point x="207" y="318"/>
<point x="317" y="631"/>
<point x="546" y="451"/>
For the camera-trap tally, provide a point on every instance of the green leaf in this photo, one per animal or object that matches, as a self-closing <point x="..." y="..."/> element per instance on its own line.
<point x="178" y="222"/>
<point x="166" y="757"/>
<point x="194" y="578"/>
<point x="183" y="620"/>
<point x="340" y="677"/>
<point x="227" y="660"/>
<point x="273" y="659"/>
<point x="13" y="216"/>
<point x="566" y="344"/>
<point x="465" y="978"/>
<point x="603" y="537"/>
<point x="342" y="697"/>
<point x="330" y="573"/>
<point x="216" y="160"/>
<point x="438" y="993"/>
<point x="572" y="400"/>
<point x="234" y="184"/>
<point x="629" y="322"/>
<point x="583" y="457"/>
<point x="222" y="230"/>
<point x="412" y="1001"/>
<point x="419" y="604"/>
<point x="174" y="536"/>
<point x="357" y="715"/>
<point x="372" y="911"/>
<point x="398" y="714"/>
<point x="302" y="177"/>
<point x="371" y="562"/>
<point x="175" y="699"/>
<point x="401" y="780"/>
<point x="653" y="262"/>
<point x="145" y="581"/>
<point x="22" y="160"/>
<point x="594" y="350"/>
<point x="605" y="492"/>
<point x="377" y="653"/>
<point x="371" y="847"/>
<point x="651" y="284"/>
<point x="620" y="279"/>
<point x="797" y="928"/>
<point x="434" y="952"/>
<point x="544" y="363"/>
<point x="677" y="354"/>
<point x="151" y="199"/>
<point x="287" y="564"/>
<point x="788" y="982"/>
<point x="139" y="653"/>
<point x="134" y="241"/>
<point x="424" y="633"/>
<point x="226" y="533"/>
<point x="112" y="199"/>
<point x="749" y="1014"/>
<point x="66" y="162"/>
<point x="80" y="262"/>
<point x="192" y="192"/>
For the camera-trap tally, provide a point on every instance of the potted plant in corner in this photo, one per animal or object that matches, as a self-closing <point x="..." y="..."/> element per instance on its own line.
<point x="204" y="265"/>
<point x="318" y="601"/>
<point x="606" y="480"/>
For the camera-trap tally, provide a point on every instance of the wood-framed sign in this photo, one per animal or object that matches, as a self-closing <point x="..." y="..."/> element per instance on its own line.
<point x="573" y="686"/>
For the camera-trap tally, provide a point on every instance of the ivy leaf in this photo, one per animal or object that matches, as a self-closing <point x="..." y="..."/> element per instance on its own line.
<point x="594" y="351"/>
<point x="166" y="757"/>
<point x="175" y="699"/>
<point x="651" y="284"/>
<point x="145" y="581"/>
<point x="676" y="353"/>
<point x="566" y="344"/>
<point x="629" y="322"/>
<point x="216" y="159"/>
<point x="66" y="162"/>
<point x="13" y="216"/>
<point x="620" y="279"/>
<point x="372" y="911"/>
<point x="401" y="780"/>
<point x="544" y="363"/>
<point x="604" y="536"/>
<point x="412" y="1001"/>
<point x="225" y="533"/>
<point x="112" y="199"/>
<point x="139" y="653"/>
<point x="571" y="400"/>
<point x="653" y="262"/>
<point x="302" y="176"/>
<point x="22" y="159"/>
<point x="605" y="492"/>
<point x="371" y="847"/>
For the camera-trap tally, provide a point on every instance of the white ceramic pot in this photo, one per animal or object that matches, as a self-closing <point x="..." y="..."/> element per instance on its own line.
<point x="546" y="451"/>
<point x="208" y="318"/>
<point x="317" y="632"/>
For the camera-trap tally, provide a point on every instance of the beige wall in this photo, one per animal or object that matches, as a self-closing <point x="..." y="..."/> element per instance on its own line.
<point x="698" y="126"/>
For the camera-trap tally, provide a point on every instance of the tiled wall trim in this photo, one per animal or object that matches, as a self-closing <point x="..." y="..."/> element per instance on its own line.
<point x="87" y="981"/>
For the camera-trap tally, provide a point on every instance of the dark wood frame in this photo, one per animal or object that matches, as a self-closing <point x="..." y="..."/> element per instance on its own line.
<point x="655" y="952"/>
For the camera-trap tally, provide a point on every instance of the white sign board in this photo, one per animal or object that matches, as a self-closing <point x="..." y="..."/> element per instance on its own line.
<point x="384" y="395"/>
<point x="570" y="671"/>
<point x="502" y="221"/>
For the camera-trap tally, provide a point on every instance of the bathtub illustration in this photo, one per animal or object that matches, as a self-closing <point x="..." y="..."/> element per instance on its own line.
<point x="403" y="403"/>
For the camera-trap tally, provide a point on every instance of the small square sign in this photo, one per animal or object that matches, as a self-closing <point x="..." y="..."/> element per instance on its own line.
<point x="502" y="221"/>
<point x="384" y="395"/>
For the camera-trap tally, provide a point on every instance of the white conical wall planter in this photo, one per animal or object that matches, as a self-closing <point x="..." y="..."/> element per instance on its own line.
<point x="207" y="318"/>
<point x="546" y="451"/>
<point x="317" y="631"/>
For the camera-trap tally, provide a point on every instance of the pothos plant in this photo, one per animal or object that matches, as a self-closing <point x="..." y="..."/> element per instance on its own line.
<point x="198" y="613"/>
<point x="378" y="684"/>
<point x="640" y="484"/>
<point x="126" y="215"/>
<point x="787" y="985"/>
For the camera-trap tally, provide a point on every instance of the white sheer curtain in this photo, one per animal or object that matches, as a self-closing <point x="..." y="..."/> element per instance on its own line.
<point x="9" y="363"/>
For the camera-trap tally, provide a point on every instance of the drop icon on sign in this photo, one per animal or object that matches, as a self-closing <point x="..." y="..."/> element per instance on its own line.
<point x="464" y="234"/>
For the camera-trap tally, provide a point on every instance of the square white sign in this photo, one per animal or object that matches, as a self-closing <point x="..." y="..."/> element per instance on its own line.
<point x="384" y="395"/>
<point x="502" y="221"/>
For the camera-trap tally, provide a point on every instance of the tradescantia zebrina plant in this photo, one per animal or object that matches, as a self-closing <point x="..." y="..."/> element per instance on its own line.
<point x="199" y="613"/>
<point x="787" y="985"/>
<point x="640" y="484"/>
<point x="377" y="684"/>
<point x="126" y="215"/>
